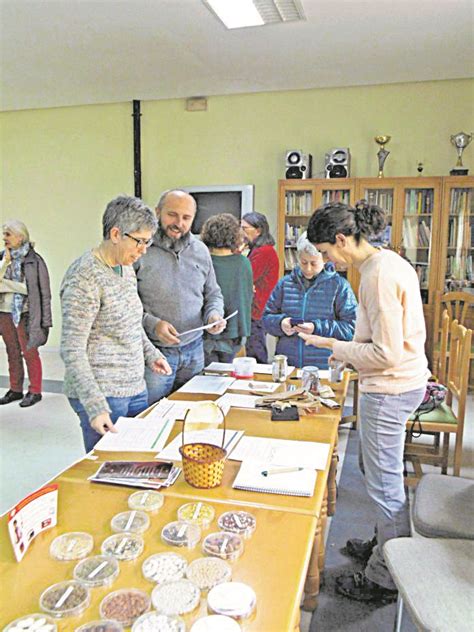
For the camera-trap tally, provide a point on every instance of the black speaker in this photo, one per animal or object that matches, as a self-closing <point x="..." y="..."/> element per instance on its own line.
<point x="338" y="163"/>
<point x="298" y="165"/>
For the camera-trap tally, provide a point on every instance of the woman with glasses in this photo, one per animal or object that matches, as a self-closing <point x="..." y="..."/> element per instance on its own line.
<point x="25" y="311"/>
<point x="103" y="344"/>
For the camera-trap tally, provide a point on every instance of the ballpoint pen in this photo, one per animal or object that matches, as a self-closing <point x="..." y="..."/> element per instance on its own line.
<point x="282" y="470"/>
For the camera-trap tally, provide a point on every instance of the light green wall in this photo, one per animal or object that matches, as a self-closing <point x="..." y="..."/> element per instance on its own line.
<point x="61" y="166"/>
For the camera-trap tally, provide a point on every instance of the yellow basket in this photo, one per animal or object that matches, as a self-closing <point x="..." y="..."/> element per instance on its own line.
<point x="203" y="463"/>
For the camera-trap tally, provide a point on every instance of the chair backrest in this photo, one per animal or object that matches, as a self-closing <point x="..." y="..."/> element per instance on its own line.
<point x="458" y="370"/>
<point x="441" y="370"/>
<point x="458" y="305"/>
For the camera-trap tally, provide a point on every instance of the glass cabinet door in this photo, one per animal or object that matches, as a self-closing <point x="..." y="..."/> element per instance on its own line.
<point x="460" y="240"/>
<point x="298" y="209"/>
<point x="336" y="195"/>
<point x="385" y="199"/>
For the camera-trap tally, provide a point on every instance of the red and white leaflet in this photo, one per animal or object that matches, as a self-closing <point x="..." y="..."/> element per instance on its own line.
<point x="34" y="514"/>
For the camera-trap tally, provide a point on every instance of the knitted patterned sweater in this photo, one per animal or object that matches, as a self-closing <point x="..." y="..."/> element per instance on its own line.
<point x="103" y="344"/>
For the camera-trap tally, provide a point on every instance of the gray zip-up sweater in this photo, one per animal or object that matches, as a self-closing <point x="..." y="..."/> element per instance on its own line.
<point x="103" y="345"/>
<point x="178" y="286"/>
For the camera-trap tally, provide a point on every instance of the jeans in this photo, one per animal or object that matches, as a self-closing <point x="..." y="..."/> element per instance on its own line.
<point x="256" y="346"/>
<point x="382" y="439"/>
<point x="119" y="407"/>
<point x="185" y="362"/>
<point x="16" y="343"/>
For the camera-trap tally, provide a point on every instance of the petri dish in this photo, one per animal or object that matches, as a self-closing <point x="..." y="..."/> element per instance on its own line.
<point x="232" y="599"/>
<point x="65" y="599"/>
<point x="71" y="546"/>
<point x="36" y="622"/>
<point x="216" y="623"/>
<point x="125" y="605"/>
<point x="97" y="570"/>
<point x="241" y="522"/>
<point x="104" y="625"/>
<point x="197" y="513"/>
<point x="207" y="572"/>
<point x="132" y="521"/>
<point x="155" y="622"/>
<point x="181" y="534"/>
<point x="123" y="546"/>
<point x="228" y="546"/>
<point x="164" y="567"/>
<point x="150" y="501"/>
<point x="176" y="598"/>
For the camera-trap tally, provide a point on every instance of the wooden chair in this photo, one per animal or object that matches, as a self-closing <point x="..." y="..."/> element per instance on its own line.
<point x="442" y="369"/>
<point x="448" y="418"/>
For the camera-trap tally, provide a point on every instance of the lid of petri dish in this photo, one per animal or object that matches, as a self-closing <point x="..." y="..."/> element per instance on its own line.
<point x="97" y="570"/>
<point x="215" y="623"/>
<point x="164" y="567"/>
<point x="181" y="533"/>
<point x="125" y="605"/>
<point x="123" y="546"/>
<point x="103" y="625"/>
<point x="228" y="546"/>
<point x="241" y="522"/>
<point x="149" y="500"/>
<point x="133" y="521"/>
<point x="207" y="572"/>
<point x="65" y="599"/>
<point x="233" y="599"/>
<point x="197" y="513"/>
<point x="71" y="546"/>
<point x="160" y="622"/>
<point x="37" y="622"/>
<point x="178" y="597"/>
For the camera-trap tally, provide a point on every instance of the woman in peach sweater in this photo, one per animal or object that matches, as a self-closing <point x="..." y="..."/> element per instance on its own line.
<point x="388" y="353"/>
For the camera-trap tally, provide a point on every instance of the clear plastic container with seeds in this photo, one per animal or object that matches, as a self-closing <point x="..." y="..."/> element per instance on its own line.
<point x="103" y="625"/>
<point x="232" y="599"/>
<point x="123" y="546"/>
<point x="197" y="513"/>
<point x="155" y="622"/>
<point x="164" y="567"/>
<point x="228" y="546"/>
<point x="32" y="623"/>
<point x="207" y="572"/>
<point x="71" y="546"/>
<point x="65" y="599"/>
<point x="97" y="570"/>
<point x="241" y="522"/>
<point x="176" y="598"/>
<point x="125" y="606"/>
<point x="133" y="521"/>
<point x="181" y="534"/>
<point x="216" y="623"/>
<point x="148" y="500"/>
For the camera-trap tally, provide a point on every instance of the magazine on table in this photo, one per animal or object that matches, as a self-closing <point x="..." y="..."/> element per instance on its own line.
<point x="145" y="474"/>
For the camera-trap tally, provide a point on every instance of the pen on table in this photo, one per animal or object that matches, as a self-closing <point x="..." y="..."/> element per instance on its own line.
<point x="282" y="470"/>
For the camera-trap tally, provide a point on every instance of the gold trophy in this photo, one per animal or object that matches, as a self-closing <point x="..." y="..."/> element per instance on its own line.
<point x="460" y="141"/>
<point x="382" y="152"/>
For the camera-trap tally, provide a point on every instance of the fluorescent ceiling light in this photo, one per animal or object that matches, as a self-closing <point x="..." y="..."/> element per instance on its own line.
<point x="236" y="13"/>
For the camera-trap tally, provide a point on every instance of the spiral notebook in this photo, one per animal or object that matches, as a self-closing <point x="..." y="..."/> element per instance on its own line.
<point x="250" y="478"/>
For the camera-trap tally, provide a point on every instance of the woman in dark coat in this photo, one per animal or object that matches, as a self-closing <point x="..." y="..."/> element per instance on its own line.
<point x="25" y="311"/>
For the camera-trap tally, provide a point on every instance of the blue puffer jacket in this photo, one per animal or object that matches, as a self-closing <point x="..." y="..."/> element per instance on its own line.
<point x="330" y="304"/>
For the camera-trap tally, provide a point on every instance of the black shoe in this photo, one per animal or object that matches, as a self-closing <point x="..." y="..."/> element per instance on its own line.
<point x="30" y="399"/>
<point x="10" y="396"/>
<point x="360" y="549"/>
<point x="357" y="586"/>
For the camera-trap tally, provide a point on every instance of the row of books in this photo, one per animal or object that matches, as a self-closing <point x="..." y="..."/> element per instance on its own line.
<point x="293" y="233"/>
<point x="416" y="233"/>
<point x="290" y="258"/>
<point x="460" y="232"/>
<point x="299" y="203"/>
<point x="459" y="268"/>
<point x="419" y="201"/>
<point x="462" y="202"/>
<point x="338" y="195"/>
<point x="382" y="198"/>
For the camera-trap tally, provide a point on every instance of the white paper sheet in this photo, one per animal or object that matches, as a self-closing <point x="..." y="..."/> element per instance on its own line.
<point x="233" y="400"/>
<point x="254" y="385"/>
<point x="209" y="384"/>
<point x="171" y="409"/>
<point x="259" y="369"/>
<point x="209" y="325"/>
<point x="136" y="435"/>
<point x="171" y="451"/>
<point x="307" y="454"/>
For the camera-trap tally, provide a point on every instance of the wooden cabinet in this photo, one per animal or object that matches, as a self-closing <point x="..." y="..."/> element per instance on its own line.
<point x="430" y="222"/>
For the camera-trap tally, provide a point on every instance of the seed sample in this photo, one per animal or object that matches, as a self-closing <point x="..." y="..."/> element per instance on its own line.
<point x="207" y="572"/>
<point x="71" y="546"/>
<point x="103" y="625"/>
<point x="216" y="623"/>
<point x="240" y="522"/>
<point x="228" y="546"/>
<point x="132" y="521"/>
<point x="181" y="534"/>
<point x="176" y="597"/>
<point x="97" y="570"/>
<point x="125" y="606"/>
<point x="232" y="599"/>
<point x="123" y="546"/>
<point x="164" y="567"/>
<point x="150" y="501"/>
<point x="156" y="622"/>
<point x="197" y="513"/>
<point x="65" y="599"/>
<point x="32" y="623"/>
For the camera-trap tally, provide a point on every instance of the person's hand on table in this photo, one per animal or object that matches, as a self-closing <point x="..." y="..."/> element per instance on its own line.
<point x="167" y="333"/>
<point x="220" y="325"/>
<point x="102" y="424"/>
<point x="161" y="367"/>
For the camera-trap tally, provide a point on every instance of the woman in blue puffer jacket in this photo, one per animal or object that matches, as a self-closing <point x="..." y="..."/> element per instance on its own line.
<point x="320" y="297"/>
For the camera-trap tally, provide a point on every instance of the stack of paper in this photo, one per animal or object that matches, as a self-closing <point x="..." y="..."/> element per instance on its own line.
<point x="284" y="452"/>
<point x="137" y="435"/>
<point x="260" y="369"/>
<point x="233" y="400"/>
<point x="209" y="384"/>
<point x="145" y="474"/>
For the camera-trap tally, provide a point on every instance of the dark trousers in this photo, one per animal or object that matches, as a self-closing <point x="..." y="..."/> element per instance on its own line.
<point x="256" y="346"/>
<point x="16" y="341"/>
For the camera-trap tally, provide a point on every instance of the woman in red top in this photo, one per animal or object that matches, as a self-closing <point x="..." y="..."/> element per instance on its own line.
<point x="264" y="261"/>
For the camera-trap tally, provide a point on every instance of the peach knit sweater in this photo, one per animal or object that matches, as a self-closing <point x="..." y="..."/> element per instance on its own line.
<point x="388" y="346"/>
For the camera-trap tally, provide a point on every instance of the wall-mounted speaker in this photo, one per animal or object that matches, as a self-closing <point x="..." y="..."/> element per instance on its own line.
<point x="338" y="163"/>
<point x="298" y="165"/>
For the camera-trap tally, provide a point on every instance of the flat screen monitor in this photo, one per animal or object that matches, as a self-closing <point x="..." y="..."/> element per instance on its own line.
<point x="236" y="199"/>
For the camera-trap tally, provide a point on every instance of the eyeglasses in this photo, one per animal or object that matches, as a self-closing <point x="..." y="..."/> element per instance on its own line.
<point x="140" y="242"/>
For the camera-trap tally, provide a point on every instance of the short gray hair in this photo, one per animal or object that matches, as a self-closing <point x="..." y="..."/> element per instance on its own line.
<point x="128" y="214"/>
<point x="305" y="247"/>
<point x="17" y="227"/>
<point x="161" y="202"/>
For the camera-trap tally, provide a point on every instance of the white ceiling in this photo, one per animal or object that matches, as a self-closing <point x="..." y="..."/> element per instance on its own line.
<point x="70" y="52"/>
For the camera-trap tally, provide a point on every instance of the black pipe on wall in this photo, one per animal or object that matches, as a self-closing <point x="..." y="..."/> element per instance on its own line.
<point x="137" y="161"/>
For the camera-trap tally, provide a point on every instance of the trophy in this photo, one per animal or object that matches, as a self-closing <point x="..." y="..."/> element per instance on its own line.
<point x="382" y="152"/>
<point x="460" y="141"/>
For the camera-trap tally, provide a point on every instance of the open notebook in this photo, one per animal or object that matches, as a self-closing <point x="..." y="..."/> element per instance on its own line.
<point x="250" y="478"/>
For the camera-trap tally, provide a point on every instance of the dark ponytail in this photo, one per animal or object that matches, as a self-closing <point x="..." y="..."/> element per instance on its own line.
<point x="361" y="222"/>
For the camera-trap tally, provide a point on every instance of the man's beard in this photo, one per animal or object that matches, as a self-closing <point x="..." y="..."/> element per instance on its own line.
<point x="173" y="242"/>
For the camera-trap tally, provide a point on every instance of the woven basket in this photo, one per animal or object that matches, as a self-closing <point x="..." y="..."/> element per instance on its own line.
<point x="203" y="463"/>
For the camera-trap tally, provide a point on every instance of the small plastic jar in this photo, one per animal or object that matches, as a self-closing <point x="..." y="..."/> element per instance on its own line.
<point x="181" y="534"/>
<point x="197" y="513"/>
<point x="207" y="572"/>
<point x="155" y="622"/>
<point x="32" y="623"/>
<point x="228" y="546"/>
<point x="241" y="522"/>
<point x="215" y="623"/>
<point x="164" y="567"/>
<point x="65" y="599"/>
<point x="97" y="570"/>
<point x="125" y="606"/>
<point x="132" y="521"/>
<point x="149" y="501"/>
<point x="244" y="368"/>
<point x="176" y="598"/>
<point x="123" y="546"/>
<point x="71" y="546"/>
<point x="104" y="625"/>
<point x="232" y="599"/>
